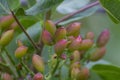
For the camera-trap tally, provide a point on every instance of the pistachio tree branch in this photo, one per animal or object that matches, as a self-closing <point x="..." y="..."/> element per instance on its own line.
<point x="74" y="13"/>
<point x="23" y="29"/>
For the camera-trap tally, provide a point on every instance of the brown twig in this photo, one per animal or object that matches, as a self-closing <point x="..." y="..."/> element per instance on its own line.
<point x="23" y="29"/>
<point x="74" y="13"/>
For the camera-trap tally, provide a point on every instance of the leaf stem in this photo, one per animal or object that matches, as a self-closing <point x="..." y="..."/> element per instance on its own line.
<point x="56" y="66"/>
<point x="23" y="29"/>
<point x="9" y="56"/>
<point x="74" y="13"/>
<point x="27" y="69"/>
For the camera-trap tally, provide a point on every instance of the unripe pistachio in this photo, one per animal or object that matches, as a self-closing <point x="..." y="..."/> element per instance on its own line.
<point x="75" y="65"/>
<point x="76" y="56"/>
<point x="97" y="54"/>
<point x="74" y="45"/>
<point x="73" y="29"/>
<point x="21" y="51"/>
<point x="6" y="37"/>
<point x="14" y="26"/>
<point x="6" y="21"/>
<point x="60" y="34"/>
<point x="50" y="27"/>
<point x="75" y="73"/>
<point x="47" y="38"/>
<point x="60" y="47"/>
<point x="19" y="43"/>
<point x="103" y="38"/>
<point x="84" y="74"/>
<point x="6" y="76"/>
<point x="38" y="76"/>
<point x="86" y="44"/>
<point x="89" y="35"/>
<point x="38" y="63"/>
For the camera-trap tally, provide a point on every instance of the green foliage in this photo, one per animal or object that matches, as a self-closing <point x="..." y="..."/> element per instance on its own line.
<point x="107" y="72"/>
<point x="5" y="5"/>
<point x="34" y="31"/>
<point x="112" y="7"/>
<point x="42" y="6"/>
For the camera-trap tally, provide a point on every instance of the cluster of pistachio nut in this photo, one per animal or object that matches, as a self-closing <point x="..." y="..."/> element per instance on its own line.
<point x="69" y="39"/>
<point x="7" y="28"/>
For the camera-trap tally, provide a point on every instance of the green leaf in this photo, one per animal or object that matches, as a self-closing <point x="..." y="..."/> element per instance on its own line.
<point x="6" y="4"/>
<point x="4" y="8"/>
<point x="69" y="6"/>
<point x="20" y="12"/>
<point x="42" y="6"/>
<point x="13" y="4"/>
<point x="112" y="7"/>
<point x="81" y="15"/>
<point x="107" y="72"/>
<point x="33" y="31"/>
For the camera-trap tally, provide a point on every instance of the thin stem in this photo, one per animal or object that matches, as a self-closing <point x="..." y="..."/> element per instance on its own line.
<point x="23" y="29"/>
<point x="9" y="56"/>
<point x="56" y="66"/>
<point x="74" y="13"/>
<point x="27" y="69"/>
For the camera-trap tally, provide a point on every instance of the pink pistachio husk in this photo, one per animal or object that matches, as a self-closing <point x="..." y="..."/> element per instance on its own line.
<point x="38" y="63"/>
<point x="6" y="76"/>
<point x="60" y="34"/>
<point x="21" y="51"/>
<point x="103" y="38"/>
<point x="75" y="73"/>
<point x="14" y="26"/>
<point x="84" y="74"/>
<point x="50" y="27"/>
<point x="6" y="37"/>
<point x="47" y="38"/>
<point x="86" y="44"/>
<point x="76" y="56"/>
<point x="89" y="35"/>
<point x="74" y="45"/>
<point x="97" y="54"/>
<point x="38" y="76"/>
<point x="6" y="21"/>
<point x="60" y="46"/>
<point x="73" y="29"/>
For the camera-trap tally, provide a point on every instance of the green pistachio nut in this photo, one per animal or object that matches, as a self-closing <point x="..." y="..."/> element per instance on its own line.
<point x="6" y="37"/>
<point x="89" y="35"/>
<point x="14" y="26"/>
<point x="74" y="45"/>
<point x="73" y="29"/>
<point x="6" y="21"/>
<point x="50" y="27"/>
<point x="97" y="54"/>
<point x="103" y="38"/>
<point x="47" y="38"/>
<point x="60" y="46"/>
<point x="60" y="34"/>
<point x="21" y="51"/>
<point x="86" y="44"/>
<point x="38" y="63"/>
